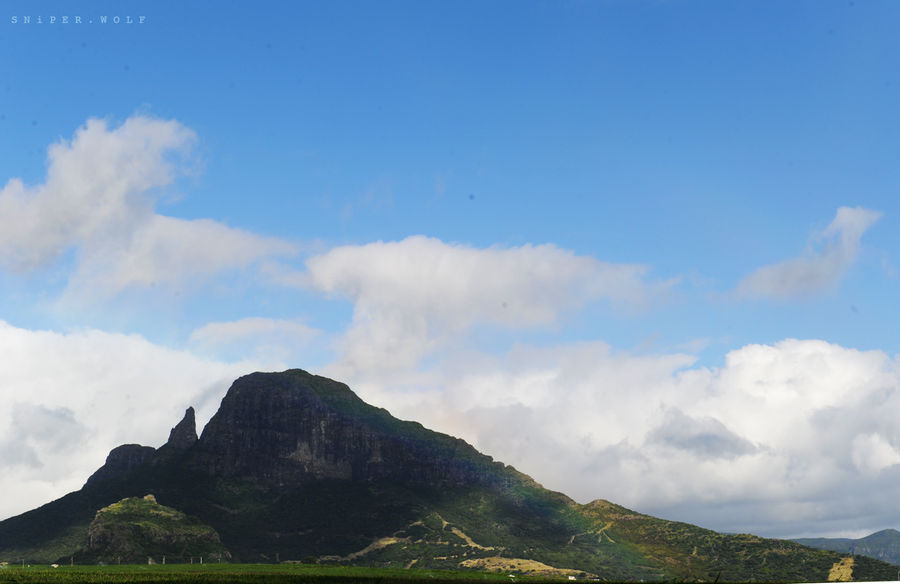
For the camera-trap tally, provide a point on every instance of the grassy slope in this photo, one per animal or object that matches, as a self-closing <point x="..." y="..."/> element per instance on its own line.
<point x="134" y="529"/>
<point x="51" y="531"/>
<point x="689" y="552"/>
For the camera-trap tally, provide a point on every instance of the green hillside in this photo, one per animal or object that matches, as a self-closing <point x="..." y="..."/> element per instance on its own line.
<point x="137" y="530"/>
<point x="689" y="552"/>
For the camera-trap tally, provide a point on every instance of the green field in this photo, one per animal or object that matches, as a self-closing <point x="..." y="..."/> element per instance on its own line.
<point x="245" y="573"/>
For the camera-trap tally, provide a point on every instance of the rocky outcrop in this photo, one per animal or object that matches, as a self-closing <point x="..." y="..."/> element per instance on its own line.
<point x="292" y="428"/>
<point x="184" y="434"/>
<point x="137" y="530"/>
<point x="287" y="429"/>
<point x="124" y="459"/>
<point x="121" y="461"/>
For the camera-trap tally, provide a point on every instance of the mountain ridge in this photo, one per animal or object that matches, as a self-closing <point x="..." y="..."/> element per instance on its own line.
<point x="882" y="545"/>
<point x="294" y="465"/>
<point x="336" y="436"/>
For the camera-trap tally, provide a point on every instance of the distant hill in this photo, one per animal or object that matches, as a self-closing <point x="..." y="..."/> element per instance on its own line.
<point x="137" y="529"/>
<point x="883" y="545"/>
<point x="295" y="467"/>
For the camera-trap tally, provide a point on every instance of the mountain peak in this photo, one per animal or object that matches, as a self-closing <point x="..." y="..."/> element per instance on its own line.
<point x="288" y="429"/>
<point x="889" y="532"/>
<point x="184" y="434"/>
<point x="120" y="461"/>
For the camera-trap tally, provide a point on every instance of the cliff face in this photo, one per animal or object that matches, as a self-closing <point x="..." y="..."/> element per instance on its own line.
<point x="121" y="461"/>
<point x="125" y="459"/>
<point x="291" y="428"/>
<point x="184" y="434"/>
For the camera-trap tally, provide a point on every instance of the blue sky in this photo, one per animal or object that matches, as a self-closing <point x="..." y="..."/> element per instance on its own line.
<point x="558" y="214"/>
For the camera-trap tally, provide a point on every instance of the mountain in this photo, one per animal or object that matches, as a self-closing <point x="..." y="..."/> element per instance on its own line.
<point x="295" y="466"/>
<point x="883" y="545"/>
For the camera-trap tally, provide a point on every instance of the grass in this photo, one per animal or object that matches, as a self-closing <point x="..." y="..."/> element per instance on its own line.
<point x="245" y="574"/>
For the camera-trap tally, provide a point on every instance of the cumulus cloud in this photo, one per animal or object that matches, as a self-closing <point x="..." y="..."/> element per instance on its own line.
<point x="70" y="398"/>
<point x="412" y="295"/>
<point x="779" y="440"/>
<point x="820" y="269"/>
<point x="168" y="251"/>
<point x="99" y="200"/>
<point x="96" y="186"/>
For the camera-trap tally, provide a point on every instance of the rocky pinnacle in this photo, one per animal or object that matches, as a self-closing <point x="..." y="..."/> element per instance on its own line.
<point x="184" y="434"/>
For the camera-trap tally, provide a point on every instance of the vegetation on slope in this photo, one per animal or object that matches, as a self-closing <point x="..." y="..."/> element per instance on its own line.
<point x="238" y="574"/>
<point x="690" y="552"/>
<point x="136" y="530"/>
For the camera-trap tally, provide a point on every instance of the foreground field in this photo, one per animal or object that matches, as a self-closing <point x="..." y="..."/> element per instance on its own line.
<point x="242" y="574"/>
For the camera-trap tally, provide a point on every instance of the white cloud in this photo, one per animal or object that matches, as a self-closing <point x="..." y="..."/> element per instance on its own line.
<point x="411" y="296"/>
<point x="218" y="332"/>
<point x="819" y="270"/>
<point x="96" y="187"/>
<point x="271" y="340"/>
<point x="99" y="198"/>
<point x="705" y="437"/>
<point x="872" y="453"/>
<point x="165" y="251"/>
<point x="67" y="399"/>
